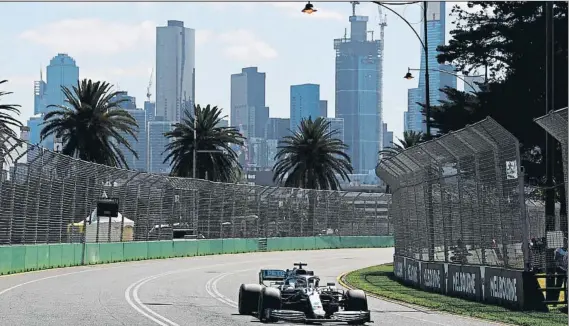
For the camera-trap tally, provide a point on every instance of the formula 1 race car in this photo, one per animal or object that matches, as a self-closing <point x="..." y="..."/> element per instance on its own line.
<point x="296" y="296"/>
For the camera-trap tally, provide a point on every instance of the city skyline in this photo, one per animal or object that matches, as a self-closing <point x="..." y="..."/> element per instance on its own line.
<point x="133" y="75"/>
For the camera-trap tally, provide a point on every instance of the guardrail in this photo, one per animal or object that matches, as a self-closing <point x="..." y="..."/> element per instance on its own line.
<point x="24" y="258"/>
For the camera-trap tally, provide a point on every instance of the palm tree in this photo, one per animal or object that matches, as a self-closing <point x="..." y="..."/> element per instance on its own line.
<point x="410" y="139"/>
<point x="93" y="125"/>
<point x="216" y="160"/>
<point x="312" y="158"/>
<point x="7" y="123"/>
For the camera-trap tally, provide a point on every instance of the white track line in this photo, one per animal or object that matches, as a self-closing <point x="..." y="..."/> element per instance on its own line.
<point x="211" y="289"/>
<point x="141" y="308"/>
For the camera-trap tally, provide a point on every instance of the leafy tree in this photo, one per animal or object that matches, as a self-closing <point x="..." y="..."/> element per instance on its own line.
<point x="507" y="40"/>
<point x="220" y="162"/>
<point x="312" y="158"/>
<point x="93" y="125"/>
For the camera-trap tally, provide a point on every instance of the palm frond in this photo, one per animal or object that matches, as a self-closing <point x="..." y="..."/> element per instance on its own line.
<point x="220" y="162"/>
<point x="92" y="125"/>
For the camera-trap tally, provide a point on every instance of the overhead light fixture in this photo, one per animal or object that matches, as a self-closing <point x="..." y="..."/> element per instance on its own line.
<point x="408" y="75"/>
<point x="309" y="9"/>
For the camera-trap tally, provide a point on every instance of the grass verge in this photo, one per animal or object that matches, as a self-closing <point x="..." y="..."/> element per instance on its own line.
<point x="378" y="280"/>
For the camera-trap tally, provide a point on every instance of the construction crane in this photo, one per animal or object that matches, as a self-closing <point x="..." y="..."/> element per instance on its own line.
<point x="148" y="94"/>
<point x="354" y="4"/>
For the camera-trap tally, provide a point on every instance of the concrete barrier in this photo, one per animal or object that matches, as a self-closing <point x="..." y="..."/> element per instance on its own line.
<point x="24" y="258"/>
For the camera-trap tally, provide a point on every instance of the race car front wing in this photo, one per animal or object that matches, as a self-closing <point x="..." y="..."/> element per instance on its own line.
<point x="338" y="317"/>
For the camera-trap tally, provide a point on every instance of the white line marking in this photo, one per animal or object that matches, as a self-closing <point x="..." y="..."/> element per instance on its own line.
<point x="46" y="278"/>
<point x="137" y="304"/>
<point x="136" y="298"/>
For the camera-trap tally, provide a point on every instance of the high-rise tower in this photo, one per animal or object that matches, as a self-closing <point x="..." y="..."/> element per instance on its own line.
<point x="436" y="19"/>
<point x="304" y="104"/>
<point x="175" y="70"/>
<point x="248" y="110"/>
<point x="62" y="71"/>
<point x="358" y="93"/>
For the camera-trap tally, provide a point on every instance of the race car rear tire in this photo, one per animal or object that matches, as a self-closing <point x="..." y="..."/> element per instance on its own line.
<point x="356" y="300"/>
<point x="270" y="299"/>
<point x="248" y="298"/>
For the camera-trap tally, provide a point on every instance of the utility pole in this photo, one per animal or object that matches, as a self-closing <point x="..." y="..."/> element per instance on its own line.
<point x="427" y="83"/>
<point x="549" y="150"/>
<point x="195" y="150"/>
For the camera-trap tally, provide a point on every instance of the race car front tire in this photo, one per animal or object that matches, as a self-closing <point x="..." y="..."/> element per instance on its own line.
<point x="356" y="300"/>
<point x="248" y="298"/>
<point x="270" y="299"/>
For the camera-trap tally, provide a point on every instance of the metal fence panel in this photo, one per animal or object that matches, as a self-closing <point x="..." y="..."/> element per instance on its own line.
<point x="459" y="198"/>
<point x="47" y="197"/>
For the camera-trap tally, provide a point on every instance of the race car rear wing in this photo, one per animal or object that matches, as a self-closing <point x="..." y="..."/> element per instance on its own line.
<point x="271" y="275"/>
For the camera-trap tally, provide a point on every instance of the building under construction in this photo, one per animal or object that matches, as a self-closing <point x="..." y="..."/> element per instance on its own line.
<point x="359" y="75"/>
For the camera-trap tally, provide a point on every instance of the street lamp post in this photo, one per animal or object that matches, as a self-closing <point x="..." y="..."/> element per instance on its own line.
<point x="424" y="44"/>
<point x="427" y="83"/>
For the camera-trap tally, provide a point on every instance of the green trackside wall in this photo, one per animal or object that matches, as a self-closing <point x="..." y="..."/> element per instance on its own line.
<point x="23" y="258"/>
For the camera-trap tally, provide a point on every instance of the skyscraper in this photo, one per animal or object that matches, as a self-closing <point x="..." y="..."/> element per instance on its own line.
<point x="323" y="108"/>
<point x="139" y="144"/>
<point x="40" y="95"/>
<point x="223" y="123"/>
<point x="248" y="110"/>
<point x="337" y="125"/>
<point x="387" y="137"/>
<point x="473" y="80"/>
<point x="277" y="128"/>
<point x="61" y="71"/>
<point x="358" y="93"/>
<point x="304" y="103"/>
<point x="175" y="70"/>
<point x="156" y="145"/>
<point x="436" y="19"/>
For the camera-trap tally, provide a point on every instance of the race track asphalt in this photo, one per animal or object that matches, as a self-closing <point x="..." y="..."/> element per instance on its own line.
<point x="180" y="292"/>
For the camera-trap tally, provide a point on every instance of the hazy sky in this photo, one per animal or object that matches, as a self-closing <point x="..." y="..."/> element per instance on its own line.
<point x="116" y="42"/>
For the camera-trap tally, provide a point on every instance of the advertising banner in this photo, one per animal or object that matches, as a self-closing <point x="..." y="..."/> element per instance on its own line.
<point x="503" y="287"/>
<point x="465" y="282"/>
<point x="433" y="277"/>
<point x="412" y="272"/>
<point x="399" y="267"/>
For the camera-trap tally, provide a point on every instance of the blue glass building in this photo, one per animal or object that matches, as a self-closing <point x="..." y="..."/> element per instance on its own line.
<point x="277" y="128"/>
<point x="304" y="103"/>
<point x="248" y="110"/>
<point x="324" y="108"/>
<point x="337" y="125"/>
<point x="139" y="144"/>
<point x="61" y="71"/>
<point x="436" y="19"/>
<point x="156" y="144"/>
<point x="358" y="94"/>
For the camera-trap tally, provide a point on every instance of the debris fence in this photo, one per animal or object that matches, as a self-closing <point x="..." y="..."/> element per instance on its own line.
<point x="47" y="197"/>
<point x="460" y="198"/>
